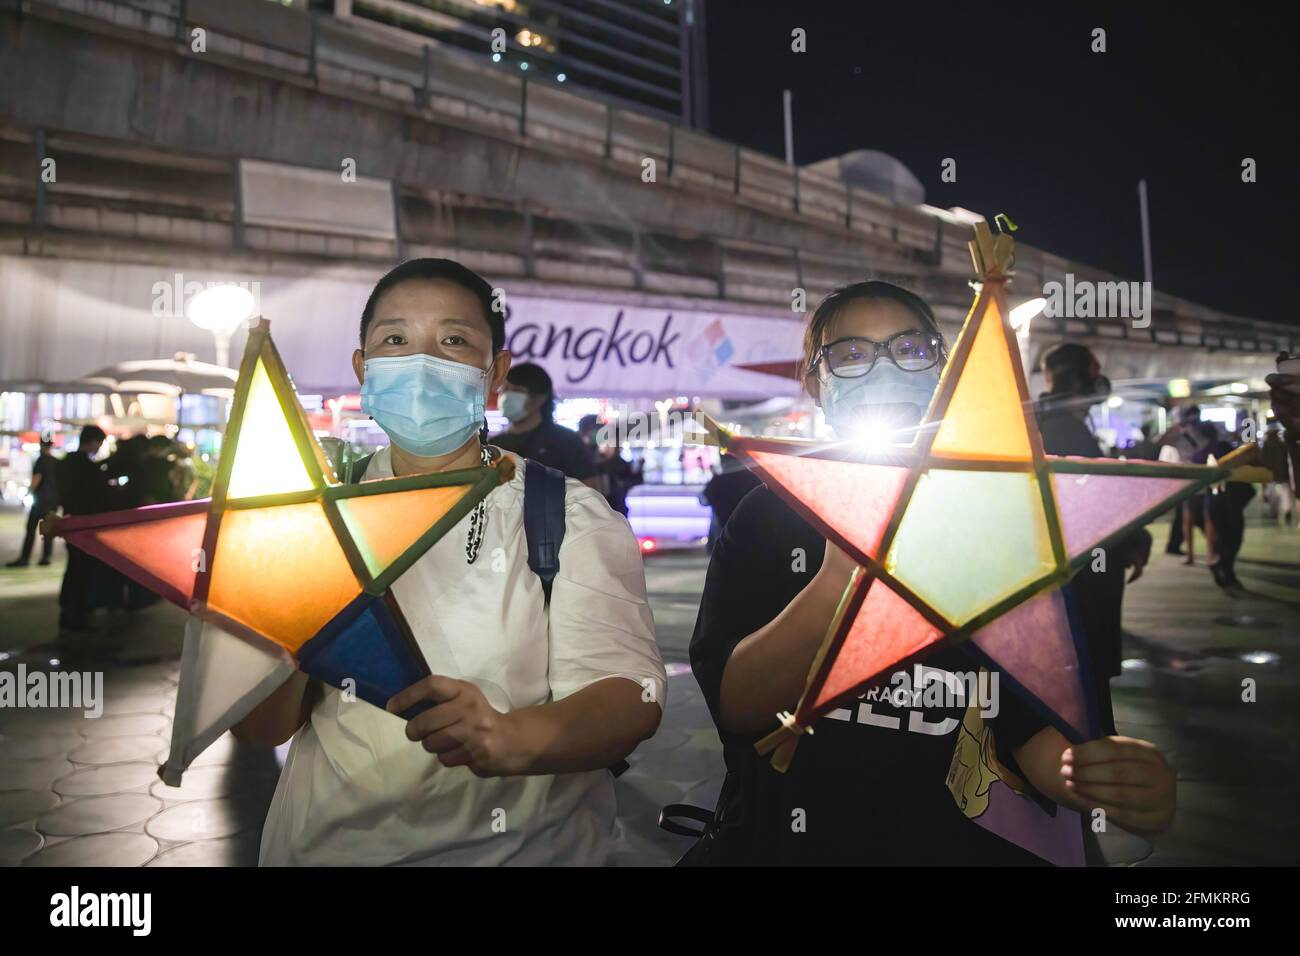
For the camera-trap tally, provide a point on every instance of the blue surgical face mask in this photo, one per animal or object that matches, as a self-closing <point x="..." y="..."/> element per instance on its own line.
<point x="513" y="405"/>
<point x="899" y="397"/>
<point x="428" y="406"/>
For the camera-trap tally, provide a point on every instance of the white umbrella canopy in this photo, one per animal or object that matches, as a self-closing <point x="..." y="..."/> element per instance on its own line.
<point x="36" y="387"/>
<point x="173" y="376"/>
<point x="134" y="422"/>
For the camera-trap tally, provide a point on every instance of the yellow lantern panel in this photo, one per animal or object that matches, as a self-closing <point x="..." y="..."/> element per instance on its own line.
<point x="267" y="460"/>
<point x="384" y="526"/>
<point x="280" y="571"/>
<point x="985" y="419"/>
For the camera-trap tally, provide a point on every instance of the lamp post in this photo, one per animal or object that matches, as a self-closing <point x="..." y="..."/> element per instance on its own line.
<point x="221" y="309"/>
<point x="787" y="109"/>
<point x="1021" y="316"/>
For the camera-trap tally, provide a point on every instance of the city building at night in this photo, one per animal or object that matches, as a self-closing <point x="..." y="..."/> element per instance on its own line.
<point x="643" y="54"/>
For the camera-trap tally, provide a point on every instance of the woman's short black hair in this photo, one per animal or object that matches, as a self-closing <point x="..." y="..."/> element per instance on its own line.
<point x="451" y="271"/>
<point x="1069" y="364"/>
<point x="534" y="379"/>
<point x="872" y="289"/>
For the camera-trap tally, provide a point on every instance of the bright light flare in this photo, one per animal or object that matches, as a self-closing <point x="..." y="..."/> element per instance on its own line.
<point x="1024" y="313"/>
<point x="221" y="308"/>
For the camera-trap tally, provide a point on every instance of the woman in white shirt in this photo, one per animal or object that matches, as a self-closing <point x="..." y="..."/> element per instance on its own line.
<point x="532" y="701"/>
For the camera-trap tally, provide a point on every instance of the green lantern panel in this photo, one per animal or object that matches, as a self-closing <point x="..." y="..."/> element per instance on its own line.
<point x="971" y="538"/>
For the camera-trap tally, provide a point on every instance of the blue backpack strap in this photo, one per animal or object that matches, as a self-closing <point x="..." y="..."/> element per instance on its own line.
<point x="543" y="520"/>
<point x="544" y="529"/>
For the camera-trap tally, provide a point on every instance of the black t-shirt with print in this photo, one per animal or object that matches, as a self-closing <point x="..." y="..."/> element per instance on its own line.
<point x="552" y="445"/>
<point x="868" y="787"/>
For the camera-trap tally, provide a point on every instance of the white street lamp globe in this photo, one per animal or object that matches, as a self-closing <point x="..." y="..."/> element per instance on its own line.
<point x="221" y="308"/>
<point x="1022" y="314"/>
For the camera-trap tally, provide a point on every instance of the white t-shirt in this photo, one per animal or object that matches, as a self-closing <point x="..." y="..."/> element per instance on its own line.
<point x="354" y="791"/>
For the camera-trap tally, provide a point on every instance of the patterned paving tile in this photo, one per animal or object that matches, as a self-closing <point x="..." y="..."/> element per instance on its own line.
<point x="34" y="774"/>
<point x="240" y="850"/>
<point x="207" y="783"/>
<point x="127" y="726"/>
<point x="206" y="820"/>
<point x="100" y="781"/>
<point x="98" y="814"/>
<point x="107" y="750"/>
<point x="104" y="849"/>
<point x="37" y="746"/>
<point x="17" y="844"/>
<point x="19" y="806"/>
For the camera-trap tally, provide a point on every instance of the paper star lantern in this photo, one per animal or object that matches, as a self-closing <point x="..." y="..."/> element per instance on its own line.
<point x="222" y="678"/>
<point x="967" y="534"/>
<point x="283" y="555"/>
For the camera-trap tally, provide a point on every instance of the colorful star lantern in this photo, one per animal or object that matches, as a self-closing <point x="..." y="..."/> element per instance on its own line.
<point x="222" y="678"/>
<point x="967" y="533"/>
<point x="283" y="555"/>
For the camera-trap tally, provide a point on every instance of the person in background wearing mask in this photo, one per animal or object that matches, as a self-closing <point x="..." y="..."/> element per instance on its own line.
<point x="527" y="400"/>
<point x="45" y="498"/>
<point x="870" y="782"/>
<point x="533" y="700"/>
<point x="1074" y="384"/>
<point x="83" y="490"/>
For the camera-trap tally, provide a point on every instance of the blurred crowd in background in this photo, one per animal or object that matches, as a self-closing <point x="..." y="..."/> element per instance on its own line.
<point x="139" y="470"/>
<point x="102" y="474"/>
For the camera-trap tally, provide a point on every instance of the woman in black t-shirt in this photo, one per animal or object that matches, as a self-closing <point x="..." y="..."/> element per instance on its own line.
<point x="868" y="787"/>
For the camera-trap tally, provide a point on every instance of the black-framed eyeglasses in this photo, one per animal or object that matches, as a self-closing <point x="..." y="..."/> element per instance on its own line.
<point x="913" y="351"/>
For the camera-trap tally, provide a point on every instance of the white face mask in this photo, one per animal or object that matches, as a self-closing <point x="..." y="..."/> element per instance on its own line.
<point x="513" y="405"/>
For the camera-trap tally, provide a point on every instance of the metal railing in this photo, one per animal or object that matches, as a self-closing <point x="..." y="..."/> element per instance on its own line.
<point x="451" y="84"/>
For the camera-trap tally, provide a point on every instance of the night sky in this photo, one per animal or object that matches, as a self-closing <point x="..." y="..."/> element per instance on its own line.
<point x="1045" y="130"/>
